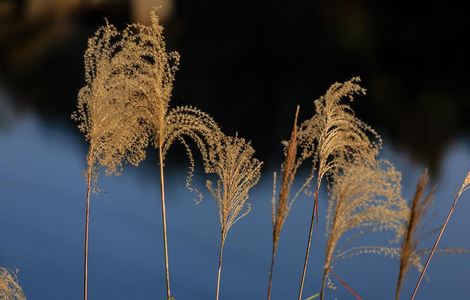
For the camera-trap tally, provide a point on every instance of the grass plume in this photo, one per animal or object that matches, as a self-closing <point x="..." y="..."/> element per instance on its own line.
<point x="465" y="185"/>
<point x="156" y="72"/>
<point x="113" y="123"/>
<point x="280" y="209"/>
<point x="365" y="197"/>
<point x="333" y="138"/>
<point x="237" y="171"/>
<point x="9" y="286"/>
<point x="408" y="254"/>
<point x="141" y="73"/>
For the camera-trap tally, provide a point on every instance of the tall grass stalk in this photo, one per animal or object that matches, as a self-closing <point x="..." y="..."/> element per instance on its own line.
<point x="237" y="171"/>
<point x="164" y="233"/>
<point x="87" y="220"/>
<point x="132" y="74"/>
<point x="334" y="137"/>
<point x="281" y="208"/>
<point x="465" y="185"/>
<point x="219" y="268"/>
<point x="110" y="118"/>
<point x="408" y="253"/>
<point x="365" y="197"/>
<point x="309" y="241"/>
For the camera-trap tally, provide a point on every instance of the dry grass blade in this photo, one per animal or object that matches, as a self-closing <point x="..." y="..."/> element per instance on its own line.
<point x="9" y="286"/>
<point x="408" y="254"/>
<point x="237" y="171"/>
<point x="333" y="138"/>
<point x="280" y="209"/>
<point x="465" y="185"/>
<point x="365" y="196"/>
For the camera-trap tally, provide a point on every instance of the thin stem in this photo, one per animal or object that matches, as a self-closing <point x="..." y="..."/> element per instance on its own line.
<point x="219" y="270"/>
<point x="397" y="292"/>
<point x="434" y="247"/>
<point x="329" y="249"/>
<point x="349" y="288"/>
<point x="309" y="242"/>
<point x="165" y="239"/>
<point x="87" y="219"/>
<point x="273" y="258"/>
<point x="323" y="284"/>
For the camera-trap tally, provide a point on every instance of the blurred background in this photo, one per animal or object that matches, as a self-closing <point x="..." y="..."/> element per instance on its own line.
<point x="248" y="64"/>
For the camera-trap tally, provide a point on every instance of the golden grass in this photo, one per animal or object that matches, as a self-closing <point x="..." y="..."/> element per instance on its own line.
<point x="10" y="288"/>
<point x="112" y="122"/>
<point x="408" y="254"/>
<point x="365" y="197"/>
<point x="465" y="185"/>
<point x="124" y="106"/>
<point x="237" y="172"/>
<point x="333" y="138"/>
<point x="280" y="208"/>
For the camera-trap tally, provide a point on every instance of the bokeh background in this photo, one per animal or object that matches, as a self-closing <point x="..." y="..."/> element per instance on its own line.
<point x="247" y="63"/>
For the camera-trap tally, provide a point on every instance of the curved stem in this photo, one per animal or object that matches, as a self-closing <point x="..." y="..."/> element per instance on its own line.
<point x="273" y="258"/>
<point x="165" y="238"/>
<point x="87" y="219"/>
<point x="219" y="270"/>
<point x="309" y="242"/>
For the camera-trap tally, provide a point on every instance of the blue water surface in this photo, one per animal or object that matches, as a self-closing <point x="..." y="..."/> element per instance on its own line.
<point x="42" y="201"/>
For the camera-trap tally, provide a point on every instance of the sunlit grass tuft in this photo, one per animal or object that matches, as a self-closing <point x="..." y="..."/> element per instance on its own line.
<point x="10" y="288"/>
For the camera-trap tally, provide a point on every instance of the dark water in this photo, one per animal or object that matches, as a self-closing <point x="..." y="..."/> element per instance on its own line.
<point x="42" y="218"/>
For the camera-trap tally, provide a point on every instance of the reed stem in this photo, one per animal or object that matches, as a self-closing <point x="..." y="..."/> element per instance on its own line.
<point x="347" y="286"/>
<point x="436" y="243"/>
<point x="309" y="242"/>
<point x="323" y="284"/>
<point x="165" y="238"/>
<point x="87" y="220"/>
<point x="271" y="270"/>
<point x="219" y="269"/>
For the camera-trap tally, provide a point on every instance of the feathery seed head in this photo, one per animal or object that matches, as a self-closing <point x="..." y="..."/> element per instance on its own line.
<point x="110" y="110"/>
<point x="292" y="161"/>
<point x="124" y="105"/>
<point x="419" y="206"/>
<point x="9" y="286"/>
<point x="367" y="197"/>
<point x="334" y="137"/>
<point x="465" y="185"/>
<point x="237" y="171"/>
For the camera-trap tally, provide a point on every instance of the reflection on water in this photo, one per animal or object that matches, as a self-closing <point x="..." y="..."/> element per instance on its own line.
<point x="42" y="207"/>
